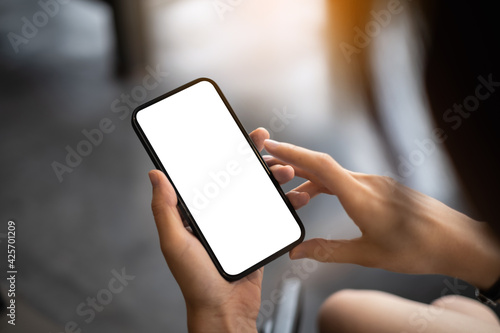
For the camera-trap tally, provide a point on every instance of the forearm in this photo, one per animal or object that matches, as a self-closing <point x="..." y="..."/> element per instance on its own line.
<point x="211" y="320"/>
<point x="473" y="252"/>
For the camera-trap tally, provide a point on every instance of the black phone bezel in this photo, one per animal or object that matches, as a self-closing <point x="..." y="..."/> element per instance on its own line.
<point x="180" y="202"/>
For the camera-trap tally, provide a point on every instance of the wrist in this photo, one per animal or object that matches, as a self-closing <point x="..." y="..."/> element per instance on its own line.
<point x="475" y="254"/>
<point x="219" y="320"/>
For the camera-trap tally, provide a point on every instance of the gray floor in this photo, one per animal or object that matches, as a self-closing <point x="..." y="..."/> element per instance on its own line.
<point x="72" y="235"/>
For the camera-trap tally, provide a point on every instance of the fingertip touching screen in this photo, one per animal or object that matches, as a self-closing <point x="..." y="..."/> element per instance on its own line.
<point x="239" y="211"/>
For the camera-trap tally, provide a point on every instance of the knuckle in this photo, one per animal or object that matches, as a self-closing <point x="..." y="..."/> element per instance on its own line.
<point x="389" y="181"/>
<point x="157" y="208"/>
<point x="324" y="158"/>
<point x="324" y="161"/>
<point x="385" y="183"/>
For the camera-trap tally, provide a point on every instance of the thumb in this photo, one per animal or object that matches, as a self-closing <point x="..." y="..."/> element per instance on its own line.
<point x="327" y="250"/>
<point x="164" y="206"/>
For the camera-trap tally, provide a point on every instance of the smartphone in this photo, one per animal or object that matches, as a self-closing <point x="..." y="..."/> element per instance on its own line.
<point x="224" y="188"/>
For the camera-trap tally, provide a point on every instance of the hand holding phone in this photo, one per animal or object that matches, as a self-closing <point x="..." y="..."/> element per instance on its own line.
<point x="211" y="301"/>
<point x="225" y="190"/>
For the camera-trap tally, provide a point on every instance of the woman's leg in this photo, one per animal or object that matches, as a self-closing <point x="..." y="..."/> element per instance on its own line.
<point x="374" y="311"/>
<point x="468" y="307"/>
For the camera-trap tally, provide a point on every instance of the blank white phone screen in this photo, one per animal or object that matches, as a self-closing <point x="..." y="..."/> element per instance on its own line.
<point x="226" y="189"/>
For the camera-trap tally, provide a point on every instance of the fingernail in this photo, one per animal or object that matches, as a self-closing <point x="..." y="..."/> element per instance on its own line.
<point x="297" y="254"/>
<point x="271" y="143"/>
<point x="153" y="177"/>
<point x="267" y="157"/>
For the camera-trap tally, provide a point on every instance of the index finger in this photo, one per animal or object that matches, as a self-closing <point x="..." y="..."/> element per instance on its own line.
<point x="322" y="168"/>
<point x="258" y="136"/>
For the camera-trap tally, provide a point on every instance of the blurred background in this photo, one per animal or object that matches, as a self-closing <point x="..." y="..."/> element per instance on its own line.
<point x="294" y="67"/>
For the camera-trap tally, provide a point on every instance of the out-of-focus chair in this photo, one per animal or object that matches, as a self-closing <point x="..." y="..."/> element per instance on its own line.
<point x="287" y="314"/>
<point x="132" y="47"/>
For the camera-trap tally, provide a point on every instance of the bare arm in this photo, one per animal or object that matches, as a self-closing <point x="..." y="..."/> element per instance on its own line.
<point x="402" y="230"/>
